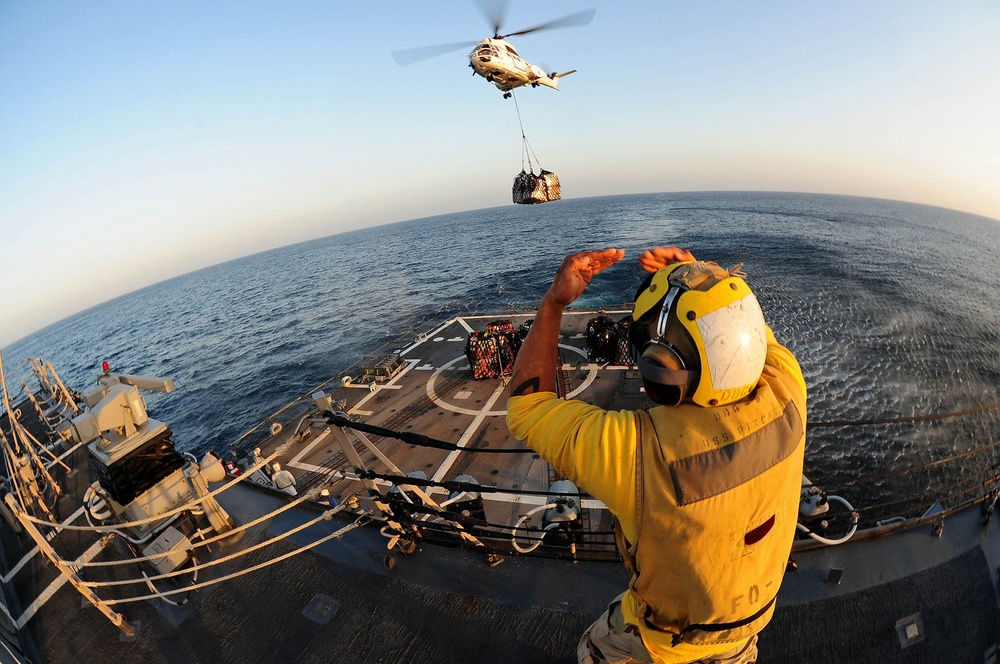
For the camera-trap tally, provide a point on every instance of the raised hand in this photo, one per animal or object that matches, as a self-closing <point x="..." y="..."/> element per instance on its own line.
<point x="576" y="272"/>
<point x="657" y="258"/>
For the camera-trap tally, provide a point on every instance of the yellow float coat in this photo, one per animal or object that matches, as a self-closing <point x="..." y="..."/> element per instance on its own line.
<point x="700" y="486"/>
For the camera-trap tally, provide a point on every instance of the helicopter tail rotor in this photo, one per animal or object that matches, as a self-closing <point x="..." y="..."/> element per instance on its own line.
<point x="552" y="80"/>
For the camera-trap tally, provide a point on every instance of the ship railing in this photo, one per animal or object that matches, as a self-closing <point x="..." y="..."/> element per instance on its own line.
<point x="909" y="496"/>
<point x="303" y="403"/>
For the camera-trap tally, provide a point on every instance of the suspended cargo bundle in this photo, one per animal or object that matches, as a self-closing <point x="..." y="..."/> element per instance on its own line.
<point x="530" y="188"/>
<point x="491" y="352"/>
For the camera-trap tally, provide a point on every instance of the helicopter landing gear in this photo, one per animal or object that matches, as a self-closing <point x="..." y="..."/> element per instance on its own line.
<point x="506" y="95"/>
<point x="490" y="78"/>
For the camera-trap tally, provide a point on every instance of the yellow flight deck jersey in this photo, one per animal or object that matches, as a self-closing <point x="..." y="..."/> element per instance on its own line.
<point x="706" y="501"/>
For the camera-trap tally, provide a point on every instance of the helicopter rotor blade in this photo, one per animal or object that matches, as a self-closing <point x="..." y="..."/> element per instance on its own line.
<point x="410" y="55"/>
<point x="494" y="11"/>
<point x="572" y="20"/>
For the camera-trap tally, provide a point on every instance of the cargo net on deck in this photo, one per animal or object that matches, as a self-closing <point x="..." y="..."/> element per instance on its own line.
<point x="607" y="341"/>
<point x="491" y="352"/>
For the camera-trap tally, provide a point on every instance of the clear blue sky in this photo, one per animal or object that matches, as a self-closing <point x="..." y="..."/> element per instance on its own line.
<point x="140" y="140"/>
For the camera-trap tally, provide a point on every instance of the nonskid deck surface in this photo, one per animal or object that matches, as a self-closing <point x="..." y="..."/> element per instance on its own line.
<point x="435" y="394"/>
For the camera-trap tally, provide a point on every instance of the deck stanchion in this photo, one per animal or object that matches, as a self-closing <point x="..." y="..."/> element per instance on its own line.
<point x="66" y="569"/>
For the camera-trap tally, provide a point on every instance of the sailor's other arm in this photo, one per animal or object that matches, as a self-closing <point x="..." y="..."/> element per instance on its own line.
<point x="535" y="367"/>
<point x="657" y="258"/>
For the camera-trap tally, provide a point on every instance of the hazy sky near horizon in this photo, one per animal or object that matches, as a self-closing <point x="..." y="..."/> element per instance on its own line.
<point x="140" y="140"/>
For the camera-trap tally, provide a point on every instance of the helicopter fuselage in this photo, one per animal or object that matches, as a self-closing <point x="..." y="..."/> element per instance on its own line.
<point x="498" y="62"/>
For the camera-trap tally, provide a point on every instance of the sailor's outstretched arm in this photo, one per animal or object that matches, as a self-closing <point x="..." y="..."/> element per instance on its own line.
<point x="535" y="367"/>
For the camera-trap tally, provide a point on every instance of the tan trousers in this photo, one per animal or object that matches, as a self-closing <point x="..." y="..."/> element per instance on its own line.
<point x="610" y="640"/>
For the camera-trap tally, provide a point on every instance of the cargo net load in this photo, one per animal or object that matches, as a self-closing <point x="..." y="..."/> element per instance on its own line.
<point x="491" y="352"/>
<point x="530" y="188"/>
<point x="607" y="341"/>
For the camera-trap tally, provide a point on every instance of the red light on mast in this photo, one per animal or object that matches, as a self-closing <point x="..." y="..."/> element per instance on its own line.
<point x="105" y="367"/>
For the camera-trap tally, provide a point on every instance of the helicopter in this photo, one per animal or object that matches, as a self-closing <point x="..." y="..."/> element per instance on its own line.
<point x="496" y="59"/>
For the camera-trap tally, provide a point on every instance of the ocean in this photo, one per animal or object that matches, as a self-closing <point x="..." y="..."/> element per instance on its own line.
<point x="890" y="308"/>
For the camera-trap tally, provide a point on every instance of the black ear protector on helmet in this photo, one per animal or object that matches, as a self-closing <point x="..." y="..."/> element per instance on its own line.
<point x="666" y="375"/>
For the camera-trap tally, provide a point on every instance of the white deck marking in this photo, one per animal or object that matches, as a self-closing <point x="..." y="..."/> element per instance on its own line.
<point x="34" y="550"/>
<point x="447" y="406"/>
<point x="424" y="337"/>
<point x="432" y="395"/>
<point x="309" y="467"/>
<point x="59" y="582"/>
<point x="591" y="375"/>
<point x="479" y="419"/>
<point x="308" y="448"/>
<point x="65" y="454"/>
<point x="479" y="415"/>
<point x="390" y="385"/>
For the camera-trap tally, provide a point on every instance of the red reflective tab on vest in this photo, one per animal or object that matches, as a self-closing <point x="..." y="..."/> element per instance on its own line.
<point x="757" y="534"/>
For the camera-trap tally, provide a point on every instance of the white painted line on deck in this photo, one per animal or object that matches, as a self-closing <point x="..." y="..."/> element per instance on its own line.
<point x="34" y="550"/>
<point x="59" y="582"/>
<point x="65" y="454"/>
<point x="483" y="414"/>
<point x="390" y="385"/>
<point x="308" y="448"/>
<point x="424" y="337"/>
<point x="308" y="467"/>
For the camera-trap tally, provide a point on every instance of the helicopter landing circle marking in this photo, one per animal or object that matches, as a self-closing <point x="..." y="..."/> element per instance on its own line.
<point x="591" y="375"/>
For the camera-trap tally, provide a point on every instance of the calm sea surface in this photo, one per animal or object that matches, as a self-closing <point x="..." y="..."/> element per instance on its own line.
<point x="891" y="309"/>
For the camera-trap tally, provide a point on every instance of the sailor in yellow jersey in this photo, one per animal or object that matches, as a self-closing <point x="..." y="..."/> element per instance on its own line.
<point x="705" y="484"/>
